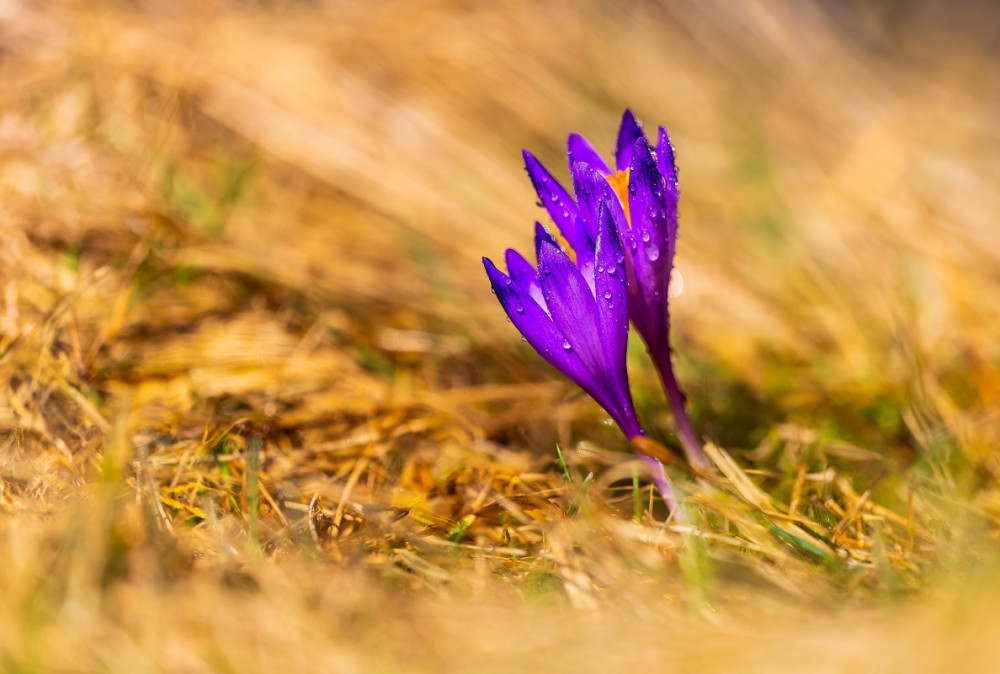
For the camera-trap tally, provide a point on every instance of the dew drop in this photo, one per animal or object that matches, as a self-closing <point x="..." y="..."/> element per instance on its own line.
<point x="653" y="253"/>
<point x="632" y="189"/>
<point x="645" y="237"/>
<point x="600" y="269"/>
<point x="620" y="258"/>
<point x="519" y="308"/>
<point x="523" y="338"/>
<point x="653" y="212"/>
<point x="546" y="269"/>
<point x="612" y="271"/>
<point x="567" y="346"/>
<point x="676" y="283"/>
<point x="607" y="296"/>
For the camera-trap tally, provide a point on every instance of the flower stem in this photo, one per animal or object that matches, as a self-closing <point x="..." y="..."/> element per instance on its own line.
<point x="661" y="480"/>
<point x="682" y="422"/>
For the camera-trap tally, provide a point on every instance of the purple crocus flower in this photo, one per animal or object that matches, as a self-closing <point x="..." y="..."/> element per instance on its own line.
<point x="576" y="317"/>
<point x="642" y="196"/>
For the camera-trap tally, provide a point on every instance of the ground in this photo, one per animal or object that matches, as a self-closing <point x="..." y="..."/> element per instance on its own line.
<point x="261" y="410"/>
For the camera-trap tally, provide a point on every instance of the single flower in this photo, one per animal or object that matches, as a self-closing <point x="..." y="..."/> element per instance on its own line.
<point x="578" y="324"/>
<point x="576" y="318"/>
<point x="641" y="194"/>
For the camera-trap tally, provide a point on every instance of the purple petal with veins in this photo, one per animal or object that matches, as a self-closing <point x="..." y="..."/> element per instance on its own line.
<point x="556" y="200"/>
<point x="578" y="149"/>
<point x="628" y="133"/>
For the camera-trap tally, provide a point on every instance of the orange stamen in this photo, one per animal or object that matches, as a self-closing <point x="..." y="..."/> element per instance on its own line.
<point x="619" y="183"/>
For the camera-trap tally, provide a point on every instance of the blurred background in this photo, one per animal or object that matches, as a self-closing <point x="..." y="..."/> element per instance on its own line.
<point x="228" y="220"/>
<point x="837" y="162"/>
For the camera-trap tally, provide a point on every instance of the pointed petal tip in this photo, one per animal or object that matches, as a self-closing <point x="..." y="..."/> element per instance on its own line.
<point x="542" y="233"/>
<point x="642" y="159"/>
<point x="628" y="132"/>
<point x="536" y="170"/>
<point x="492" y="271"/>
<point x="608" y="231"/>
<point x="665" y="156"/>
<point x="532" y="166"/>
<point x="663" y="141"/>
<point x="643" y="142"/>
<point x="579" y="149"/>
<point x="516" y="263"/>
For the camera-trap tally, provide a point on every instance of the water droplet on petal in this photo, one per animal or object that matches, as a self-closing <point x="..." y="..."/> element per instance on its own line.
<point x="653" y="212"/>
<point x="567" y="346"/>
<point x="612" y="271"/>
<point x="519" y="309"/>
<point x="653" y="253"/>
<point x="607" y="296"/>
<point x="645" y="237"/>
<point x="546" y="270"/>
<point x="600" y="269"/>
<point x="620" y="258"/>
<point x="676" y="282"/>
<point x="523" y="338"/>
<point x="632" y="189"/>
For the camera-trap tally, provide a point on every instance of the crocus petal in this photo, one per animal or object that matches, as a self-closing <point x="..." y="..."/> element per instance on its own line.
<point x="537" y="328"/>
<point x="628" y="133"/>
<point x="525" y="276"/>
<point x="556" y="200"/>
<point x="592" y="189"/>
<point x="667" y="164"/>
<point x="650" y="248"/>
<point x="610" y="286"/>
<point x="653" y="215"/>
<point x="571" y="304"/>
<point x="580" y="150"/>
<point x="542" y="235"/>
<point x="612" y="307"/>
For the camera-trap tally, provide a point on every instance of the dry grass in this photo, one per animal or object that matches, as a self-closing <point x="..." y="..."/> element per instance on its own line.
<point x="260" y="409"/>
